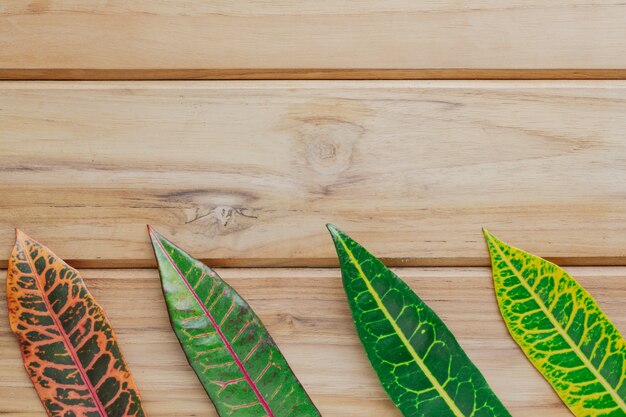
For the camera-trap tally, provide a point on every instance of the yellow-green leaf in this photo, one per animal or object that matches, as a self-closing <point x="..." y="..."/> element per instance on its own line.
<point x="561" y="330"/>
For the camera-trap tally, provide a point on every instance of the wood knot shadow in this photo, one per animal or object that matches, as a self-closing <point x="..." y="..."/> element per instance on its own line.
<point x="329" y="144"/>
<point x="222" y="220"/>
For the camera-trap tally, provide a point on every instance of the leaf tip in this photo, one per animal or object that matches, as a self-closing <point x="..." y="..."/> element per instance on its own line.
<point x="335" y="232"/>
<point x="19" y="235"/>
<point x="153" y="233"/>
<point x="155" y="237"/>
<point x="492" y="243"/>
<point x="488" y="236"/>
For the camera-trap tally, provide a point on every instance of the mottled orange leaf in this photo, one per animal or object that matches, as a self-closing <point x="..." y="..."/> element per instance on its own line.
<point x="68" y="346"/>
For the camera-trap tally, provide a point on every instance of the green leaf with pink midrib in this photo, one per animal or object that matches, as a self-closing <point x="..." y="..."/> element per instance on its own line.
<point x="236" y="360"/>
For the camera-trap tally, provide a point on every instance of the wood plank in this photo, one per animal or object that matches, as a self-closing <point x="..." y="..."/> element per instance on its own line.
<point x="65" y="35"/>
<point x="248" y="173"/>
<point x="307" y="314"/>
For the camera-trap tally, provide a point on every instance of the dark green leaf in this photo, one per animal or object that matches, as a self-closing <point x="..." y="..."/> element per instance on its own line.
<point x="417" y="359"/>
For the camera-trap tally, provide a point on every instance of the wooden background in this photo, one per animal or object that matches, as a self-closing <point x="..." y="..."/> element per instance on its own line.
<point x="412" y="161"/>
<point x="326" y="38"/>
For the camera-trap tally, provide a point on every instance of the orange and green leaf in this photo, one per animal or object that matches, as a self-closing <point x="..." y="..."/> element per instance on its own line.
<point x="68" y="346"/>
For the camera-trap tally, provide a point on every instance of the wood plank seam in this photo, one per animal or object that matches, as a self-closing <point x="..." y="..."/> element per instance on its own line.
<point x="95" y="74"/>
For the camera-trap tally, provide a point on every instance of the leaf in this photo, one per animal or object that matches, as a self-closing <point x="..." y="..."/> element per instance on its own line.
<point x="417" y="359"/>
<point x="233" y="355"/>
<point x="561" y="330"/>
<point x="68" y="346"/>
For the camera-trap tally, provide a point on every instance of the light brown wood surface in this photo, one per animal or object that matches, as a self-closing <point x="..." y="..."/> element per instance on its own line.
<point x="249" y="35"/>
<point x="248" y="173"/>
<point x="307" y="314"/>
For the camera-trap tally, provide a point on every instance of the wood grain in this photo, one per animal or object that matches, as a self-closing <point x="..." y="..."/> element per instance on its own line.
<point x="307" y="314"/>
<point x="294" y="35"/>
<point x="248" y="173"/>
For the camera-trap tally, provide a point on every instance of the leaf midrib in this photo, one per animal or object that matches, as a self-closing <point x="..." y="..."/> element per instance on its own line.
<point x="561" y="331"/>
<point x="442" y="392"/>
<point x="70" y="347"/>
<point x="221" y="334"/>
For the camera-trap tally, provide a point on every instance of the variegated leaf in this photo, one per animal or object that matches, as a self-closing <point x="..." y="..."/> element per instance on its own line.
<point x="562" y="330"/>
<point x="68" y="346"/>
<point x="238" y="363"/>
